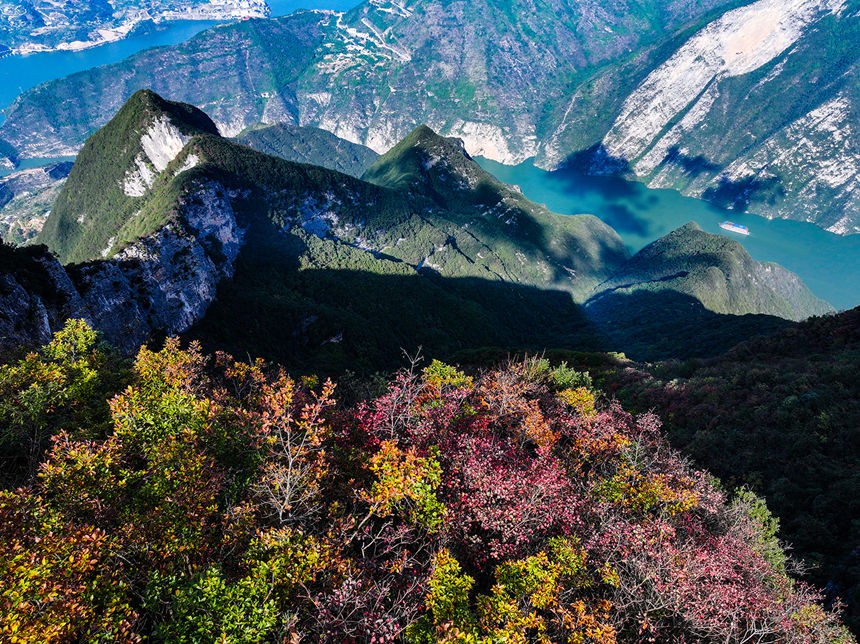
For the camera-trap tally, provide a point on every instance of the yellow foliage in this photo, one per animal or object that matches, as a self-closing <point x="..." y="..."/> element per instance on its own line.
<point x="582" y="401"/>
<point x="641" y="492"/>
<point x="405" y="479"/>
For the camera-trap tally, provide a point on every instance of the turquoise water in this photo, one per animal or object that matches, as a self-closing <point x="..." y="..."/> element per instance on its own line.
<point x="26" y="164"/>
<point x="828" y="264"/>
<point x="20" y="73"/>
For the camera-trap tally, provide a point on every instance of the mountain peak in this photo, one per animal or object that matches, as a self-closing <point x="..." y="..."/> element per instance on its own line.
<point x="423" y="158"/>
<point x="690" y="226"/>
<point x="145" y="106"/>
<point x="717" y="271"/>
<point x="425" y="137"/>
<point x="117" y="167"/>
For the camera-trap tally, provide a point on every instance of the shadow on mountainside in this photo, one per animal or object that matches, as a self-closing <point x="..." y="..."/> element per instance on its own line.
<point x="738" y="195"/>
<point x="597" y="160"/>
<point x="328" y="320"/>
<point x="692" y="165"/>
<point x="726" y="193"/>
<point x="325" y="320"/>
<point x="652" y="326"/>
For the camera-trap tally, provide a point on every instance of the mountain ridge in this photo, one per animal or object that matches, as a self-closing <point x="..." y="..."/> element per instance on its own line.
<point x="476" y="91"/>
<point x="301" y="263"/>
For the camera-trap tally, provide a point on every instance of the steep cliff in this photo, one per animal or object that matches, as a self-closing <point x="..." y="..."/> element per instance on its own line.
<point x="181" y="230"/>
<point x="161" y="284"/>
<point x="757" y="111"/>
<point x="751" y="106"/>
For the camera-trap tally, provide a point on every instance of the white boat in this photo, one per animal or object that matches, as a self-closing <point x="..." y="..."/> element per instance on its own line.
<point x="735" y="228"/>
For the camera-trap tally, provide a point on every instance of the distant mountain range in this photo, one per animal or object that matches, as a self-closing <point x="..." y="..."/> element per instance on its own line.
<point x="42" y="25"/>
<point x="166" y="227"/>
<point x="753" y="107"/>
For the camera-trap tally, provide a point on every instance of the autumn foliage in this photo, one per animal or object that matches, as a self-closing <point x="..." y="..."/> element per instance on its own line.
<point x="227" y="502"/>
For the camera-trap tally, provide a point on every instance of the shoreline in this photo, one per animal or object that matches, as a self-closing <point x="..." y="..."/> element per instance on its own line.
<point x="118" y="33"/>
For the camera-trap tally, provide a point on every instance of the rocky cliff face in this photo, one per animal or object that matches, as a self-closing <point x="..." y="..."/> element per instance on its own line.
<point x="36" y="296"/>
<point x="757" y="111"/>
<point x="161" y="284"/>
<point x="733" y="104"/>
<point x="685" y="86"/>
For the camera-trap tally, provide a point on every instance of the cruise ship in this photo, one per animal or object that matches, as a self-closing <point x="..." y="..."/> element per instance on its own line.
<point x="735" y="228"/>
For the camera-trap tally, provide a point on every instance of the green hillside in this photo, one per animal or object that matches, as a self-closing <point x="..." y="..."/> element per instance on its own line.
<point x="328" y="260"/>
<point x="94" y="204"/>
<point x="327" y="263"/>
<point x="687" y="283"/>
<point x="309" y="145"/>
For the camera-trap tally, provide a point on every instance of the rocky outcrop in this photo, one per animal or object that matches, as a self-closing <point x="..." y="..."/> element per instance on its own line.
<point x="162" y="283"/>
<point x="160" y="144"/>
<point x="738" y="43"/>
<point x="24" y="319"/>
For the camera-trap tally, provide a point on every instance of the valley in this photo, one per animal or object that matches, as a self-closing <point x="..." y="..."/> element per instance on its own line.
<point x="20" y="73"/>
<point x="641" y="214"/>
<point x="420" y="322"/>
<point x="301" y="263"/>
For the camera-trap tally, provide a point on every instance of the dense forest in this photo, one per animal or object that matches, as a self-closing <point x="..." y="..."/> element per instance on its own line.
<point x="780" y="413"/>
<point x="188" y="498"/>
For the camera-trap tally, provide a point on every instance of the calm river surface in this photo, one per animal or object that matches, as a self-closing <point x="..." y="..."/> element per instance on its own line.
<point x="20" y="73"/>
<point x="828" y="264"/>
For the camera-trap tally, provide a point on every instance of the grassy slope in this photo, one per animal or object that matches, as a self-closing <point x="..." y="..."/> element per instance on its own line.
<point x="309" y="145"/>
<point x="567" y="252"/>
<point x="715" y="270"/>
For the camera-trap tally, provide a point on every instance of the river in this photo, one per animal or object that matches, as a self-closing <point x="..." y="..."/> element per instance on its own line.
<point x="828" y="264"/>
<point x="20" y="73"/>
